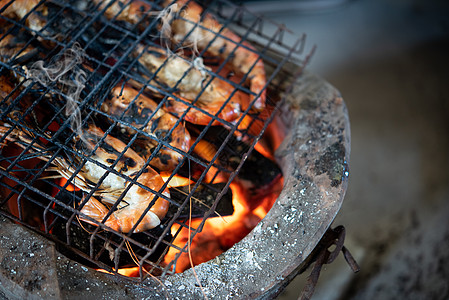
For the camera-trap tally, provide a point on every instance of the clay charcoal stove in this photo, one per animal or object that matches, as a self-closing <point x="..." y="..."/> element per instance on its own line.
<point x="130" y="153"/>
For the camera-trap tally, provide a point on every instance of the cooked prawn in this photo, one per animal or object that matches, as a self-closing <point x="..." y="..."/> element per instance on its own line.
<point x="121" y="10"/>
<point x="188" y="80"/>
<point x="198" y="30"/>
<point x="192" y="83"/>
<point x="228" y="112"/>
<point x="137" y="109"/>
<point x="18" y="9"/>
<point x="135" y="199"/>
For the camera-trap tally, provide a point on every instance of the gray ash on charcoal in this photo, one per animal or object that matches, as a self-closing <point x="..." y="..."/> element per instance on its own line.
<point x="20" y="38"/>
<point x="203" y="198"/>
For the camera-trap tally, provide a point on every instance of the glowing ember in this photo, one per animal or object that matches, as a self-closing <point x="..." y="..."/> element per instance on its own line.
<point x="129" y="272"/>
<point x="207" y="151"/>
<point x="70" y="187"/>
<point x="251" y="204"/>
<point x="221" y="233"/>
<point x="176" y="180"/>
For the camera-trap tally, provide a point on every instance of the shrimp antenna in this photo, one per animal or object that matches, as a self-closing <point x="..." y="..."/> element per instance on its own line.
<point x="189" y="241"/>
<point x="136" y="261"/>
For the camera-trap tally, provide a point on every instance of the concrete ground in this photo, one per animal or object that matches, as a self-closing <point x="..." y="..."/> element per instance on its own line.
<point x="390" y="60"/>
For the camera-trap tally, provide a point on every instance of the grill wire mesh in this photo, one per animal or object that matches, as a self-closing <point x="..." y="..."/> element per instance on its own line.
<point x="32" y="193"/>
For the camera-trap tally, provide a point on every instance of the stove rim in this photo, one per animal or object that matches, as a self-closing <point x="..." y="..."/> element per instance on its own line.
<point x="178" y="284"/>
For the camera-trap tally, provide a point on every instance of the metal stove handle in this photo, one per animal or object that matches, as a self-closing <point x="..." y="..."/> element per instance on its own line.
<point x="332" y="237"/>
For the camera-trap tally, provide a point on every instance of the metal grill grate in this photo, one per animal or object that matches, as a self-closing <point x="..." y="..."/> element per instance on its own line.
<point x="33" y="116"/>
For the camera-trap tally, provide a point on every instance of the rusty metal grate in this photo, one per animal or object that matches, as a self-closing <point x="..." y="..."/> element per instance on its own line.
<point x="112" y="49"/>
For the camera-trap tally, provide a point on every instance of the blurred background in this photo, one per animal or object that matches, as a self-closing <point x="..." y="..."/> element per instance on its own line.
<point x="390" y="61"/>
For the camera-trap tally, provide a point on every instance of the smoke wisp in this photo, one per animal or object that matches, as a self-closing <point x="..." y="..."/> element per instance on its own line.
<point x="66" y="72"/>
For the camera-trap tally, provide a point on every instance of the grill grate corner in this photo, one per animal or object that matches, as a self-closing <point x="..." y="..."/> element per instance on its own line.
<point x="109" y="52"/>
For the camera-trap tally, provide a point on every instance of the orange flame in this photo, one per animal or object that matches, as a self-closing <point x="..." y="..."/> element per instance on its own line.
<point x="207" y="151"/>
<point x="129" y="272"/>
<point x="218" y="233"/>
<point x="70" y="187"/>
<point x="221" y="233"/>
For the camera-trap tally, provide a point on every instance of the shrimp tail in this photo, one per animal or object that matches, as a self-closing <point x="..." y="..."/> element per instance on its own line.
<point x="124" y="223"/>
<point x="120" y="220"/>
<point x="95" y="210"/>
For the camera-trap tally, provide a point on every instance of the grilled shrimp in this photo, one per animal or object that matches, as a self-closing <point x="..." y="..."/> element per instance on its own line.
<point x="20" y="8"/>
<point x="122" y="10"/>
<point x="192" y="83"/>
<point x="137" y="199"/>
<point x="134" y="202"/>
<point x="228" y="112"/>
<point x="244" y="60"/>
<point x="242" y="56"/>
<point x="138" y="108"/>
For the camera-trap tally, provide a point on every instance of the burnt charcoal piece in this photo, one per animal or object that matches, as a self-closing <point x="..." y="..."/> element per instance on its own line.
<point x="203" y="199"/>
<point x="257" y="169"/>
<point x="193" y="170"/>
<point x="258" y="176"/>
